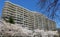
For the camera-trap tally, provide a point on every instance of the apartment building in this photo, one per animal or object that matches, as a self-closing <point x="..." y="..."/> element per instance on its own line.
<point x="26" y="18"/>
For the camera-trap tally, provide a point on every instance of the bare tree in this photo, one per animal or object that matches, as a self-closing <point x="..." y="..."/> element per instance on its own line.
<point x="50" y="6"/>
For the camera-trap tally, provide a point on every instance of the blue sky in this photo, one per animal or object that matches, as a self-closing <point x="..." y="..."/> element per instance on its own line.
<point x="29" y="4"/>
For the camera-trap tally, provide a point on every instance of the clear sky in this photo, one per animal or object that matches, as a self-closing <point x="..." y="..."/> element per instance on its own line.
<point x="29" y="4"/>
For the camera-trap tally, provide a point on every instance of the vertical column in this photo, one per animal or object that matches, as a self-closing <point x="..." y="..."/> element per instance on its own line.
<point x="38" y="22"/>
<point x="34" y="20"/>
<point x="23" y="19"/>
<point x="48" y="24"/>
<point x="42" y="22"/>
<point x="16" y="16"/>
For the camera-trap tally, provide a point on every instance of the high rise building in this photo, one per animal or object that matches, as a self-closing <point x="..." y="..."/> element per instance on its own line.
<point x="26" y="18"/>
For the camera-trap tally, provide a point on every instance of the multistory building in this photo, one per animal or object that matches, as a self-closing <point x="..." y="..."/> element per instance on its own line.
<point x="26" y="18"/>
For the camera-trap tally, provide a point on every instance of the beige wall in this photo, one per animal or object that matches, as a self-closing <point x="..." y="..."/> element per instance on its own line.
<point x="27" y="18"/>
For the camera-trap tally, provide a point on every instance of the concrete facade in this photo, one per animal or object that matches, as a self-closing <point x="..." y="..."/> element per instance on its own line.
<point x="26" y="18"/>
